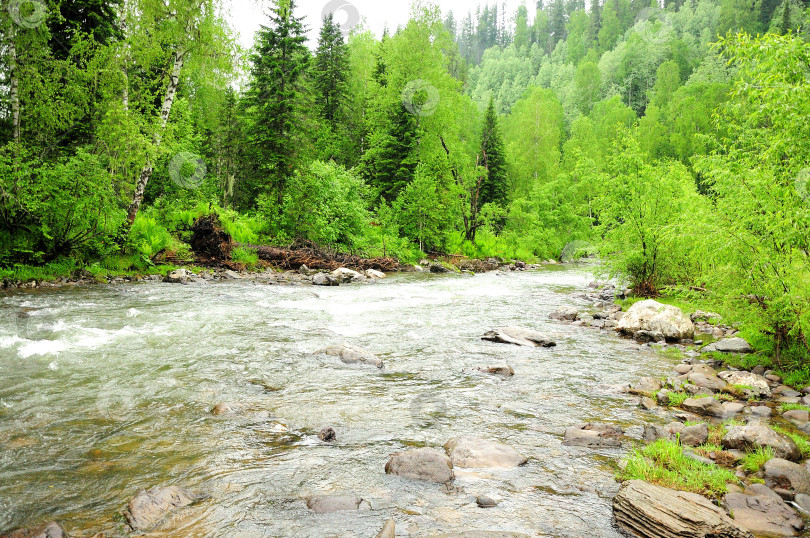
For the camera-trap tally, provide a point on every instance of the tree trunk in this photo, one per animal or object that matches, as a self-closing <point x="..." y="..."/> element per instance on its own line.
<point x="148" y="168"/>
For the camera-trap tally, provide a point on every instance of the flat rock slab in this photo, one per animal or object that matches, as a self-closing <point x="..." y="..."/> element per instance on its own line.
<point x="757" y="434"/>
<point x="472" y="452"/>
<point x="325" y="504"/>
<point x="706" y="406"/>
<point x="47" y="530"/>
<point x="349" y="354"/>
<point x="518" y="336"/>
<point x="148" y="507"/>
<point x="765" y="515"/>
<point x="650" y="511"/>
<point x="421" y="464"/>
<point x="729" y="345"/>
<point x="593" y="435"/>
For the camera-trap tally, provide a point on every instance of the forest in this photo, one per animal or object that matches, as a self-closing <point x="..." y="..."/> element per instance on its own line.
<point x="672" y="141"/>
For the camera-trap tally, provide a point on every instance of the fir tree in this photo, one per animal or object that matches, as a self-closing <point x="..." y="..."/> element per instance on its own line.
<point x="279" y="65"/>
<point x="330" y="69"/>
<point x="390" y="162"/>
<point x="493" y="188"/>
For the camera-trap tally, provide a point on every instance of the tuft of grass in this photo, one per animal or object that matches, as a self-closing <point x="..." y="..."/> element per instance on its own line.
<point x="801" y="440"/>
<point x="752" y="461"/>
<point x="675" y="399"/>
<point x="247" y="257"/>
<point x="794" y="406"/>
<point x="671" y="353"/>
<point x="664" y="463"/>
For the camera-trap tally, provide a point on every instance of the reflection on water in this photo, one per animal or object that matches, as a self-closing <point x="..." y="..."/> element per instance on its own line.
<point x="107" y="389"/>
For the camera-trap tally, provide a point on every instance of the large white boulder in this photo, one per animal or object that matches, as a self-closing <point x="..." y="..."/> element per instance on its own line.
<point x="652" y="316"/>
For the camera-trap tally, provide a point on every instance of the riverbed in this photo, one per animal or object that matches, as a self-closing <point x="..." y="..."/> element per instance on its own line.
<point x="107" y="389"/>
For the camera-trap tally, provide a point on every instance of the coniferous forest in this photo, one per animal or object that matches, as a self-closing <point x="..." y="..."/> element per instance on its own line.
<point x="672" y="141"/>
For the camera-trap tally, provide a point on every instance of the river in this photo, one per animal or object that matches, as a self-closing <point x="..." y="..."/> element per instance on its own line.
<point x="107" y="389"/>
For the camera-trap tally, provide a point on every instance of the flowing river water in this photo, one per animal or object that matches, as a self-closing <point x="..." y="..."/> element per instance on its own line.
<point x="107" y="389"/>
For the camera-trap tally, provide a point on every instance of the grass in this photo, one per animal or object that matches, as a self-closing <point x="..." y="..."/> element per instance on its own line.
<point x="675" y="399"/>
<point x="671" y="353"/>
<point x="801" y="440"/>
<point x="752" y="461"/>
<point x="247" y="257"/>
<point x="663" y="463"/>
<point x="794" y="406"/>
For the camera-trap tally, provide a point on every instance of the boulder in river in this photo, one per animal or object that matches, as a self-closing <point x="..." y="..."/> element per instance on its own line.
<point x="786" y="475"/>
<point x="343" y="275"/>
<point x="421" y="464"/>
<point x="327" y="434"/>
<point x="565" y="313"/>
<point x="178" y="276"/>
<point x="518" y="336"/>
<point x="758" y="384"/>
<point x="350" y="354"/>
<point x="646" y="386"/>
<point x="469" y="451"/>
<point x="505" y="371"/>
<point x="729" y="345"/>
<point x="326" y="504"/>
<point x="650" y="511"/>
<point x="373" y="273"/>
<point x="652" y="316"/>
<point x="593" y="435"/>
<point x="323" y="279"/>
<point x="46" y="530"/>
<point x="755" y="435"/>
<point x="706" y="406"/>
<point x="148" y="507"/>
<point x="764" y="514"/>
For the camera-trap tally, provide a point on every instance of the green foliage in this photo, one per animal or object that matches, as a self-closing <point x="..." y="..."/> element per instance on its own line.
<point x="663" y="463"/>
<point x="752" y="461"/>
<point x="676" y="399"/>
<point x="247" y="257"/>
<point x="791" y="406"/>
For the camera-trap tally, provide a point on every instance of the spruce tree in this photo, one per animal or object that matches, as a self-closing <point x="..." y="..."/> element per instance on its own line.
<point x="390" y="162"/>
<point x="330" y="69"/>
<point x="557" y="22"/>
<point x="493" y="158"/>
<point x="279" y="65"/>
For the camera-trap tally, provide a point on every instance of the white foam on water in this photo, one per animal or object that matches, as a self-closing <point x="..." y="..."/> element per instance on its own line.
<point x="8" y="341"/>
<point x="41" y="347"/>
<point x="133" y="313"/>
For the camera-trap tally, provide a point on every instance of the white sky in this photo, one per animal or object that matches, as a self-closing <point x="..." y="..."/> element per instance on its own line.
<point x="247" y="15"/>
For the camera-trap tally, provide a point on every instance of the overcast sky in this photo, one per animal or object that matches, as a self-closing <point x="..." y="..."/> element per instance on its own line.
<point x="248" y="15"/>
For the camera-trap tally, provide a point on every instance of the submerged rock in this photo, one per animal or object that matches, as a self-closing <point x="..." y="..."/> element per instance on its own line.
<point x="148" y="507"/>
<point x="755" y="435"/>
<point x="652" y="316"/>
<point x="518" y="336"/>
<point x="350" y="354"/>
<point x="47" y="530"/>
<point x="505" y="371"/>
<point x="327" y="434"/>
<point x="421" y="464"/>
<point x="765" y="515"/>
<point x="651" y="511"/>
<point x="325" y="504"/>
<point x="468" y="451"/>
<point x="565" y="313"/>
<point x="593" y="435"/>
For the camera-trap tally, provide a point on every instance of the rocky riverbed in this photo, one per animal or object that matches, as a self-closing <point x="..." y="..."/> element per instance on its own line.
<point x="404" y="408"/>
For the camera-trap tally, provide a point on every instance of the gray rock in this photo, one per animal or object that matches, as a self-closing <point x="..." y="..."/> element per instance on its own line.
<point x="650" y="315"/>
<point x="694" y="390"/>
<point x="729" y="345"/>
<point x="379" y="275"/>
<point x="704" y="406"/>
<point x="700" y="315"/>
<point x="696" y="457"/>
<point x="350" y="354"/>
<point x="421" y="464"/>
<point x="763" y="514"/>
<point x="653" y="432"/>
<point x="645" y="386"/>
<point x="711" y="382"/>
<point x="344" y="275"/>
<point x="388" y="530"/>
<point x="780" y="473"/>
<point x="148" y="507"/>
<point x="505" y="371"/>
<point x="648" y="336"/>
<point x="647" y="403"/>
<point x="682" y="369"/>
<point x="802" y="500"/>
<point x="518" y="336"/>
<point x="756" y="434"/>
<point x="759" y="385"/>
<point x="327" y="434"/>
<point x="47" y="530"/>
<point x="178" y="276"/>
<point x="322" y="279"/>
<point x="796" y="415"/>
<point x="650" y="511"/>
<point x="783" y="390"/>
<point x="762" y="411"/>
<point x="565" y="313"/>
<point x="468" y="451"/>
<point x="325" y="504"/>
<point x="694" y="435"/>
<point x="732" y="408"/>
<point x="486" y="502"/>
<point x="593" y="435"/>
